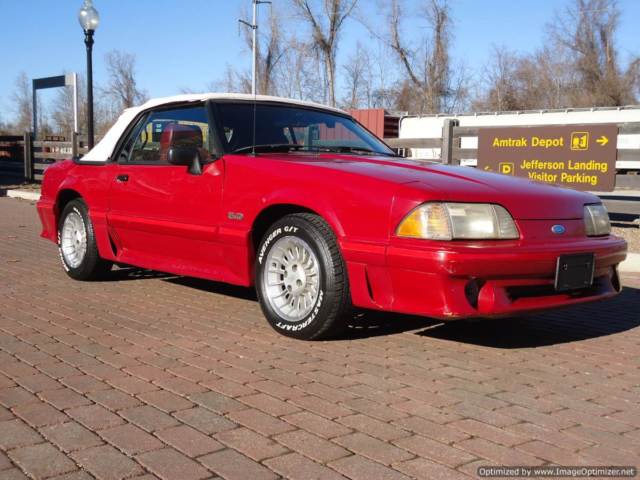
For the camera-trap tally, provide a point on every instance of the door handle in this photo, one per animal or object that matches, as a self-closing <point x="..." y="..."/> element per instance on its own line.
<point x="122" y="178"/>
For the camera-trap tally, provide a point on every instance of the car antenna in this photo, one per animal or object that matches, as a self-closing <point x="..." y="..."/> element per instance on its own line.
<point x="255" y="109"/>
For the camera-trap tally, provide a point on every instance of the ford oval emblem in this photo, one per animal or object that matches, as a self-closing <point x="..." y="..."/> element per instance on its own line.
<point x="558" y="229"/>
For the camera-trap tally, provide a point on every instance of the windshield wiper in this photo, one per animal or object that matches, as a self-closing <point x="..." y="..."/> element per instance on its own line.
<point x="288" y="147"/>
<point x="273" y="147"/>
<point x="361" y="150"/>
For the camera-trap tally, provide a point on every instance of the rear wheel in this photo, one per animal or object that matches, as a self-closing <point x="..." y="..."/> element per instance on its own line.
<point x="301" y="280"/>
<point x="77" y="243"/>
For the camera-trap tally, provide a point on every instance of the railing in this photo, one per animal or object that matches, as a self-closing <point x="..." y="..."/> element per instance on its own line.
<point x="11" y="156"/>
<point x="28" y="159"/>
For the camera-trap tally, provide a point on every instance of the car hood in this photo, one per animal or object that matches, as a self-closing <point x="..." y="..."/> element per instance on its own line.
<point x="523" y="198"/>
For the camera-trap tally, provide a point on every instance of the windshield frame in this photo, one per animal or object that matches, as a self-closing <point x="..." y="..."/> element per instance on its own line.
<point x="217" y="117"/>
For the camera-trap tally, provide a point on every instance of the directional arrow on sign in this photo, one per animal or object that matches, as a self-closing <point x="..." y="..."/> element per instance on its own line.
<point x="602" y="140"/>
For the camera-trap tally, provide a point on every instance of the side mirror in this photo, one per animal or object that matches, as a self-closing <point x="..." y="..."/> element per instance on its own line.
<point x="186" y="156"/>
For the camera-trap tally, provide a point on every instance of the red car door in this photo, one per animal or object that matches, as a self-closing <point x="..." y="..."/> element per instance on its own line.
<point x="161" y="216"/>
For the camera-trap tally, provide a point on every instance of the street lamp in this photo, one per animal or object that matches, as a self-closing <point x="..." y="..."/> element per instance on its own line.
<point x="89" y="19"/>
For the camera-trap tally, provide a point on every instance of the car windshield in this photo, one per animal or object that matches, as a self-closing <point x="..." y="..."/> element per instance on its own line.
<point x="285" y="128"/>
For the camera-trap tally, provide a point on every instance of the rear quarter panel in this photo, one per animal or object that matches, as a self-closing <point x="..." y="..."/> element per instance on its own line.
<point x="91" y="182"/>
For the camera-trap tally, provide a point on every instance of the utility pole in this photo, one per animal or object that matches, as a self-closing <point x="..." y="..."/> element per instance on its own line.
<point x="254" y="33"/>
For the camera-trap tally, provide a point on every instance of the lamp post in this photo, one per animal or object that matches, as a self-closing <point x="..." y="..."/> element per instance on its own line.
<point x="89" y="19"/>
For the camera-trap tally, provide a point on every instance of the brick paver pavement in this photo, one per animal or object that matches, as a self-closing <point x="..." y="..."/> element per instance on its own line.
<point x="149" y="375"/>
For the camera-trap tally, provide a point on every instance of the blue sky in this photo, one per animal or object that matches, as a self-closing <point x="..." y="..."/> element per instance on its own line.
<point x="188" y="43"/>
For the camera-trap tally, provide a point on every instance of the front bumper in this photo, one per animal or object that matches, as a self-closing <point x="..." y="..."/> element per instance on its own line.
<point x="494" y="279"/>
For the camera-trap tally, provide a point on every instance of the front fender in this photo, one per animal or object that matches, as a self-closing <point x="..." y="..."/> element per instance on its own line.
<point x="293" y="196"/>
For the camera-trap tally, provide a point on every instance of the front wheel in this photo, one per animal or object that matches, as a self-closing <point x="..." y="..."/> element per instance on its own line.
<point x="77" y="243"/>
<point x="301" y="279"/>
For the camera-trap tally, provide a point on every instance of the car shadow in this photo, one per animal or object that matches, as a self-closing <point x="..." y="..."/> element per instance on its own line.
<point x="215" y="287"/>
<point x="126" y="274"/>
<point x="369" y="323"/>
<point x="579" y="322"/>
<point x="575" y="323"/>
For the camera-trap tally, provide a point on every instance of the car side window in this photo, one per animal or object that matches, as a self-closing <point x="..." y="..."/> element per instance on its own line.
<point x="164" y="129"/>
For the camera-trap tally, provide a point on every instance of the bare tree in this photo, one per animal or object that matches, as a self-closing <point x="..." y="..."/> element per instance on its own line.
<point x="383" y="70"/>
<point x="540" y="80"/>
<point x="546" y="80"/>
<point x="359" y="79"/>
<point x="121" y="92"/>
<point x="587" y="31"/>
<point x="285" y="65"/>
<point x="577" y="67"/>
<point x="430" y="81"/>
<point x="22" y="103"/>
<point x="231" y="82"/>
<point x="501" y="85"/>
<point x="270" y="51"/>
<point x="269" y="56"/>
<point x="122" y="87"/>
<point x="5" y="127"/>
<point x="62" y="113"/>
<point x="299" y="72"/>
<point x="325" y="33"/>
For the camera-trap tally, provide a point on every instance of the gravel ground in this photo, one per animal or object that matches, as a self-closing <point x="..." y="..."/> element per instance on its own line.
<point x="630" y="232"/>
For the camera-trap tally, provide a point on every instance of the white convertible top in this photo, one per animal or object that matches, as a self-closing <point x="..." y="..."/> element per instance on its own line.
<point x="104" y="149"/>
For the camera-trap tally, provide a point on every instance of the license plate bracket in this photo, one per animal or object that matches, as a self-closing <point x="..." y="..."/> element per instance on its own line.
<point x="574" y="272"/>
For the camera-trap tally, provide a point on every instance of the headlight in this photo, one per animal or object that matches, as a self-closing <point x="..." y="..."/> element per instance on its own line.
<point x="465" y="221"/>
<point x="596" y="220"/>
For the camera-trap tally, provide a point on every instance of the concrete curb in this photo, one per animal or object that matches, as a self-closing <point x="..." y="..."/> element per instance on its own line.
<point x="631" y="264"/>
<point x="33" y="195"/>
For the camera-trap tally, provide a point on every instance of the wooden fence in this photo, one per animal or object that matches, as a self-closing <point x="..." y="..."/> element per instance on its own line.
<point x="27" y="159"/>
<point x="11" y="156"/>
<point x="453" y="153"/>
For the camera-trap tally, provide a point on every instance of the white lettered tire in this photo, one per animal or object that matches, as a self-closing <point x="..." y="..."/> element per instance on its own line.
<point x="301" y="279"/>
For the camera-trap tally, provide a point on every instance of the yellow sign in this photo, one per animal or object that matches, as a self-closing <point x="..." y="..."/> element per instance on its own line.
<point x="506" y="168"/>
<point x="579" y="141"/>
<point x="602" y="140"/>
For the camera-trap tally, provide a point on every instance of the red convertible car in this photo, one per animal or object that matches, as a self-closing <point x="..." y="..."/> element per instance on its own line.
<point x="302" y="202"/>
